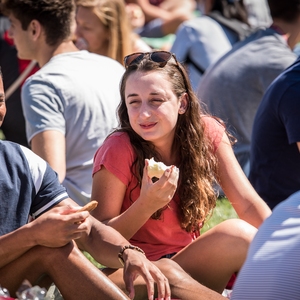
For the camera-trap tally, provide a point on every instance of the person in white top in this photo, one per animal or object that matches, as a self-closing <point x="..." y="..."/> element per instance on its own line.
<point x="70" y="103"/>
<point x="201" y="41"/>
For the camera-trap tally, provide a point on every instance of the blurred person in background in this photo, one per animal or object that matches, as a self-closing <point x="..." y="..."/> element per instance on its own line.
<point x="70" y="103"/>
<point x="103" y="27"/>
<point x="16" y="70"/>
<point x="162" y="17"/>
<point x="203" y="40"/>
<point x="233" y="87"/>
<point x="258" y="13"/>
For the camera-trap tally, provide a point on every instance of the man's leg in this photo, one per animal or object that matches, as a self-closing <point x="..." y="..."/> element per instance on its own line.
<point x="182" y="285"/>
<point x="67" y="267"/>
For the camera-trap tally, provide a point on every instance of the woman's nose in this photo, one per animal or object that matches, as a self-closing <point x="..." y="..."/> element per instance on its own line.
<point x="145" y="111"/>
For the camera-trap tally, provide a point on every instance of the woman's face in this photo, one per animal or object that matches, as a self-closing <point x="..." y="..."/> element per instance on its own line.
<point x="91" y="31"/>
<point x="153" y="107"/>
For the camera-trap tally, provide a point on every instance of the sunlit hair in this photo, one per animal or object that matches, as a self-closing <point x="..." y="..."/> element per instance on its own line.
<point x="112" y="14"/>
<point x="197" y="161"/>
<point x="231" y="9"/>
<point x="56" y="17"/>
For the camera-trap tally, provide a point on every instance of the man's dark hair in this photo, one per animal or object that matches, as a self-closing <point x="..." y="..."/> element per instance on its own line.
<point x="287" y="10"/>
<point x="56" y="16"/>
<point x="231" y="9"/>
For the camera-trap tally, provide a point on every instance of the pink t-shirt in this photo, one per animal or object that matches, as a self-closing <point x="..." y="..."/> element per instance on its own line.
<point x="156" y="237"/>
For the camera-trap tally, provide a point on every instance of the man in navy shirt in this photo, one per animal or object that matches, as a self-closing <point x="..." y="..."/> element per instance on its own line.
<point x="275" y="157"/>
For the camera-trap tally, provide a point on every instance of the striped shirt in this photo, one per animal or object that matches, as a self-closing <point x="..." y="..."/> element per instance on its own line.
<point x="272" y="267"/>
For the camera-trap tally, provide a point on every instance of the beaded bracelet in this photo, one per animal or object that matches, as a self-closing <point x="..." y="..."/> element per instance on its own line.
<point x="120" y="255"/>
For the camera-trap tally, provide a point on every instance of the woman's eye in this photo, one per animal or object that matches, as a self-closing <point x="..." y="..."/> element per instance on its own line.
<point x="157" y="101"/>
<point x="133" y="102"/>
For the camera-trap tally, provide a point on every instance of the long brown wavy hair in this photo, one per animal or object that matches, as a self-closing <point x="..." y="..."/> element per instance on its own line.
<point x="197" y="161"/>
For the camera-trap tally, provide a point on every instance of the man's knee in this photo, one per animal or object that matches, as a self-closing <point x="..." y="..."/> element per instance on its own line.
<point x="174" y="273"/>
<point x="47" y="255"/>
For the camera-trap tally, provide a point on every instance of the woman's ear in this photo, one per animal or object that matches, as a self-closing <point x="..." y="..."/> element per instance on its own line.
<point x="183" y="103"/>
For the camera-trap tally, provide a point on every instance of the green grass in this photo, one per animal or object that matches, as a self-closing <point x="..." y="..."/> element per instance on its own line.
<point x="222" y="212"/>
<point x="2" y="137"/>
<point x="91" y="259"/>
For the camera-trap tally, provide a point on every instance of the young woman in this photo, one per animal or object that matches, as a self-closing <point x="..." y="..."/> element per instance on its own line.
<point x="161" y="117"/>
<point x="103" y="27"/>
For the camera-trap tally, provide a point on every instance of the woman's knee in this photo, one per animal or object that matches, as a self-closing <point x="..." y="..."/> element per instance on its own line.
<point x="238" y="229"/>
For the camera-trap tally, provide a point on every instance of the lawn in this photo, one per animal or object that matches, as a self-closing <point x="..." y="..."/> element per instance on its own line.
<point x="1" y="135"/>
<point x="222" y="211"/>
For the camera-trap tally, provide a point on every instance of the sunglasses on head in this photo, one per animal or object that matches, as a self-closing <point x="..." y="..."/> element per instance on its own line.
<point x="160" y="57"/>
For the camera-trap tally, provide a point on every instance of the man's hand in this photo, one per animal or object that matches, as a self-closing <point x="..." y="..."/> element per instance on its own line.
<point x="137" y="264"/>
<point x="59" y="226"/>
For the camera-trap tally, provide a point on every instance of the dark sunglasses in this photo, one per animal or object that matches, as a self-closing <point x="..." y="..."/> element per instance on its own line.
<point x="161" y="57"/>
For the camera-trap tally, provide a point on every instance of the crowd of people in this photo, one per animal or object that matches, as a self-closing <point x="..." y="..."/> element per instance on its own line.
<point x="86" y="102"/>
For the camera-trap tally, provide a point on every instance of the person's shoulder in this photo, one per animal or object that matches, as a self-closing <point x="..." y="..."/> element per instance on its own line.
<point x="211" y="122"/>
<point x="101" y="59"/>
<point x="118" y="137"/>
<point x="290" y="76"/>
<point x="200" y="20"/>
<point x="9" y="147"/>
<point x="115" y="145"/>
<point x="213" y="129"/>
<point x="267" y="39"/>
<point x="16" y="154"/>
<point x="117" y="141"/>
<point x="200" y="25"/>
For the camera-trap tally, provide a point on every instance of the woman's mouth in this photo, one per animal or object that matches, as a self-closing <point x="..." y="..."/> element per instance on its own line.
<point x="147" y="126"/>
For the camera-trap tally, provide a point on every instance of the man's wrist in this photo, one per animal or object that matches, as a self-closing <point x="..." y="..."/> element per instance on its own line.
<point x="128" y="247"/>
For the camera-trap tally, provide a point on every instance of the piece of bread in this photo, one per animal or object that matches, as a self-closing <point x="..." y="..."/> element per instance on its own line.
<point x="90" y="206"/>
<point x="156" y="169"/>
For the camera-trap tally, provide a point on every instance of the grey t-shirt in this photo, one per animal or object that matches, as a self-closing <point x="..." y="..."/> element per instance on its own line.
<point x="76" y="94"/>
<point x="203" y="41"/>
<point x="233" y="87"/>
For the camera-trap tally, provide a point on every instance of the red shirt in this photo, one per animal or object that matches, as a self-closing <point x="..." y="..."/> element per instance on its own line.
<point x="156" y="237"/>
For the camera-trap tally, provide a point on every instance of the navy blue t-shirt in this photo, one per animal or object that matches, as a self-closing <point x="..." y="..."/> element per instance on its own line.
<point x="28" y="186"/>
<point x="275" y="157"/>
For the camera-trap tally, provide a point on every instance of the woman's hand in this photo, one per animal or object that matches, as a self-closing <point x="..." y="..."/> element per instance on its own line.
<point x="161" y="192"/>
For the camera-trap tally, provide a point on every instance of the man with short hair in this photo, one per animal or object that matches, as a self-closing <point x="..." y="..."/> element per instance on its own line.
<point x="70" y="103"/>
